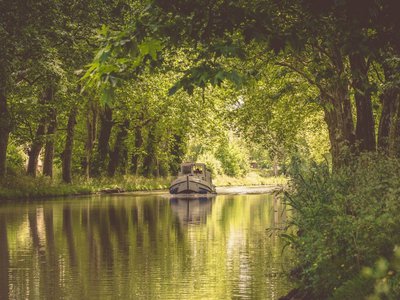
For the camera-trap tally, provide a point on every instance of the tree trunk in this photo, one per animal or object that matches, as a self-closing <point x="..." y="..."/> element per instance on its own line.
<point x="365" y="128"/>
<point x="387" y="100"/>
<point x="69" y="144"/>
<point x="338" y="113"/>
<point x="36" y="147"/>
<point x="90" y="139"/>
<point x="115" y="155"/>
<point x="5" y="124"/>
<point x="105" y="133"/>
<point x="340" y="127"/>
<point x="136" y="153"/>
<point x="394" y="132"/>
<point x="38" y="141"/>
<point x="390" y="99"/>
<point x="341" y="103"/>
<point x="149" y="161"/>
<point x="49" y="147"/>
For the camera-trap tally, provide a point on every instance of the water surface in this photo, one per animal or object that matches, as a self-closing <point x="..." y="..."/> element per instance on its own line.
<point x="143" y="247"/>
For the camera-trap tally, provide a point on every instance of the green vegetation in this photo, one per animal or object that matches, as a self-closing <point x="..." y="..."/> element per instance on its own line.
<point x="130" y="89"/>
<point x="347" y="229"/>
<point x="26" y="188"/>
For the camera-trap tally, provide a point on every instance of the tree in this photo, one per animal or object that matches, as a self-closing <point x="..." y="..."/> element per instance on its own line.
<point x="22" y="26"/>
<point x="317" y="39"/>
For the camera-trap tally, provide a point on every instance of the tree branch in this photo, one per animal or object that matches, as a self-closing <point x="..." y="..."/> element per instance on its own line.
<point x="305" y="76"/>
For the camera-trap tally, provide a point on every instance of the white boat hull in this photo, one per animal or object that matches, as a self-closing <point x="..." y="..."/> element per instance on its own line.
<point x="189" y="184"/>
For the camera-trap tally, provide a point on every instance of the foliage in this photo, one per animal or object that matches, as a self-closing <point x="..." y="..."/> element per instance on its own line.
<point x="251" y="178"/>
<point x="234" y="159"/>
<point x="212" y="163"/>
<point x="345" y="222"/>
<point x="15" y="160"/>
<point x="280" y="113"/>
<point x="226" y="154"/>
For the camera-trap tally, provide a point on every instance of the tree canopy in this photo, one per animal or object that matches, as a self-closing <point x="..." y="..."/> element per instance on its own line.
<point x="286" y="75"/>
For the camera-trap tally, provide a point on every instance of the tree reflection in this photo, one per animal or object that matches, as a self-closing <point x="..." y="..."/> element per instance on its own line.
<point x="32" y="217"/>
<point x="69" y="233"/>
<point x="52" y="269"/>
<point x="191" y="210"/>
<point x="142" y="247"/>
<point x="4" y="258"/>
<point x="119" y="224"/>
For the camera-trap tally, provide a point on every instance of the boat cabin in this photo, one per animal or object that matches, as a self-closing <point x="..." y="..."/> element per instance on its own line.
<point x="195" y="169"/>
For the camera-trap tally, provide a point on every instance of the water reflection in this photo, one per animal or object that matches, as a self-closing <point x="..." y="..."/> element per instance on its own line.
<point x="280" y="212"/>
<point x="192" y="211"/>
<point x="4" y="258"/>
<point x="142" y="248"/>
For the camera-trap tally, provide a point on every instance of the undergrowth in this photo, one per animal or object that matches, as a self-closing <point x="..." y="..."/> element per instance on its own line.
<point x="347" y="229"/>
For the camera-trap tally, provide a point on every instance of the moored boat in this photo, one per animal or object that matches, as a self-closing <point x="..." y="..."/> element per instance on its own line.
<point x="193" y="178"/>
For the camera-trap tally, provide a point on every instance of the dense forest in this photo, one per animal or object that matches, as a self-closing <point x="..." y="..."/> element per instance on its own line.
<point x="83" y="97"/>
<point x="97" y="89"/>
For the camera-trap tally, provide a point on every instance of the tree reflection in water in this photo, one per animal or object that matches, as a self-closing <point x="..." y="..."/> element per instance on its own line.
<point x="131" y="247"/>
<point x="4" y="258"/>
<point x="191" y="210"/>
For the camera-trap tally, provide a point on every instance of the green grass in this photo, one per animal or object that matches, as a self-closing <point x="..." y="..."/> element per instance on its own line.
<point x="25" y="187"/>
<point x="130" y="183"/>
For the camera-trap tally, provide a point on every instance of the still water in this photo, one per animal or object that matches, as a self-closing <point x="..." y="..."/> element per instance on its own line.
<point x="143" y="247"/>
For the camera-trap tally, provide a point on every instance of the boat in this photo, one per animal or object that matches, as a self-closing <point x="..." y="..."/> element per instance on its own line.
<point x="193" y="178"/>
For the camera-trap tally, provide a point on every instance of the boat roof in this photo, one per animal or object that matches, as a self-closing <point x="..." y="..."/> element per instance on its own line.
<point x="192" y="164"/>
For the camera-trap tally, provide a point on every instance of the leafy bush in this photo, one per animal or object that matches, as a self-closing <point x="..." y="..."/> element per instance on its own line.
<point x="346" y="222"/>
<point x="15" y="159"/>
<point x="233" y="159"/>
<point x="211" y="162"/>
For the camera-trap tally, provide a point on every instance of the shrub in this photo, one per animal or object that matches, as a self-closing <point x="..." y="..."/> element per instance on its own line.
<point x="211" y="162"/>
<point x="345" y="222"/>
<point x="233" y="160"/>
<point x="15" y="159"/>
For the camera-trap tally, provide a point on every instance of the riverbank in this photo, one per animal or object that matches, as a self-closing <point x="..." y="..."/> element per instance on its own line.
<point x="345" y="230"/>
<point x="27" y="188"/>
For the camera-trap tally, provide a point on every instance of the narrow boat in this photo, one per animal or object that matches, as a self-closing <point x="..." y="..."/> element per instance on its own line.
<point x="193" y="178"/>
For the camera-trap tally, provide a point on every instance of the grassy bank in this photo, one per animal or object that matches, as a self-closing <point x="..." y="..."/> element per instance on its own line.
<point x="25" y="187"/>
<point x="347" y="230"/>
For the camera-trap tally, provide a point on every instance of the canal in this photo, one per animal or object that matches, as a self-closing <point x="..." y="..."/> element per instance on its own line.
<point x="144" y="247"/>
